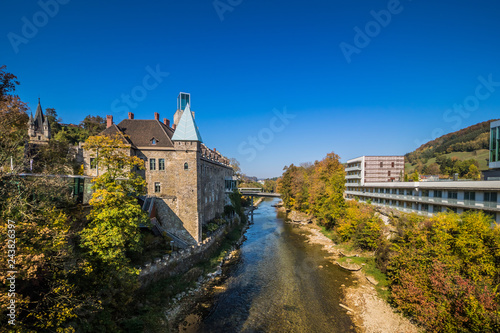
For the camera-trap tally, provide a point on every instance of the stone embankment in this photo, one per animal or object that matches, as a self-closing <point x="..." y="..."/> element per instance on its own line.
<point x="181" y="261"/>
<point x="185" y="301"/>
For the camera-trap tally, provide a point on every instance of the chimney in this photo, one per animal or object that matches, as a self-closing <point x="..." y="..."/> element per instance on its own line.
<point x="157" y="116"/>
<point x="109" y="121"/>
<point x="166" y="121"/>
<point x="174" y="126"/>
<point x="130" y="115"/>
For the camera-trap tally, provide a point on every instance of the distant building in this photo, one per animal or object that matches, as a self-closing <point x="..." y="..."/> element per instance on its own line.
<point x="369" y="169"/>
<point x="431" y="197"/>
<point x="494" y="163"/>
<point x="39" y="127"/>
<point x="189" y="180"/>
<point x="370" y="179"/>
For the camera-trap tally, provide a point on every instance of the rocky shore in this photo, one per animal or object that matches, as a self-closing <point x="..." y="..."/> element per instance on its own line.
<point x="368" y="311"/>
<point x="184" y="303"/>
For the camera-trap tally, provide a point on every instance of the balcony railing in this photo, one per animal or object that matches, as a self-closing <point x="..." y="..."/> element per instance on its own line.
<point x="429" y="200"/>
<point x="356" y="168"/>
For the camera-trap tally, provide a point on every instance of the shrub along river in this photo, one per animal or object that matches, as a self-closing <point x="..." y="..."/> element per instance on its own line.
<point x="279" y="284"/>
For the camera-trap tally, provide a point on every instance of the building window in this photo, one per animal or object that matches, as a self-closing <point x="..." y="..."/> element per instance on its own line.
<point x="153" y="141"/>
<point x="381" y="164"/>
<point x="161" y="164"/>
<point x="157" y="187"/>
<point x="152" y="164"/>
<point x="186" y="166"/>
<point x="425" y="193"/>
<point x="438" y="194"/>
<point x="388" y="173"/>
<point x="392" y="164"/>
<point x="452" y="194"/>
<point x="93" y="163"/>
<point x="470" y="196"/>
<point x="490" y="196"/>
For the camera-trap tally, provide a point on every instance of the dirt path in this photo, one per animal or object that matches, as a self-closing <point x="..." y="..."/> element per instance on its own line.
<point x="370" y="313"/>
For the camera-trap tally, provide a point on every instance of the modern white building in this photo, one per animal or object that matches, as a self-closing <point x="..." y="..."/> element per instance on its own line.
<point x="428" y="198"/>
<point x="369" y="169"/>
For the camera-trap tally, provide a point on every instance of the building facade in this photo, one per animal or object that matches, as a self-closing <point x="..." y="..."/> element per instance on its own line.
<point x="188" y="179"/>
<point x="369" y="169"/>
<point x="428" y="198"/>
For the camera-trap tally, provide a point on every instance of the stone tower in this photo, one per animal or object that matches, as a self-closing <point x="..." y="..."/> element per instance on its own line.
<point x="187" y="143"/>
<point x="38" y="127"/>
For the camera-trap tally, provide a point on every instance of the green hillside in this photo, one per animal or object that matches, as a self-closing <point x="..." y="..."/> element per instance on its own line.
<point x="481" y="156"/>
<point x="453" y="153"/>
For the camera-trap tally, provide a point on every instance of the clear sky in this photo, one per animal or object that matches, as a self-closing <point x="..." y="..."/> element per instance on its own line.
<point x="272" y="82"/>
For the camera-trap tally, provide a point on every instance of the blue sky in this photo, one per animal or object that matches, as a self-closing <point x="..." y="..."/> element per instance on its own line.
<point x="272" y="82"/>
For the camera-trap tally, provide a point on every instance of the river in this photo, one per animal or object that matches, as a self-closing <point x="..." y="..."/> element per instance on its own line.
<point x="279" y="284"/>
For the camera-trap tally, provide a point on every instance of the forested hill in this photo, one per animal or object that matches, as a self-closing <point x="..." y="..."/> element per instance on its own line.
<point x="470" y="139"/>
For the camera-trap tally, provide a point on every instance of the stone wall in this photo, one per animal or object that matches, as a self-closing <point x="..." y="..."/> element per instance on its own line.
<point x="191" y="185"/>
<point x="181" y="261"/>
<point x="213" y="193"/>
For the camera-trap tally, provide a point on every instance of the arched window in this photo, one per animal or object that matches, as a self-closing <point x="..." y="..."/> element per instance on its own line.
<point x="186" y="167"/>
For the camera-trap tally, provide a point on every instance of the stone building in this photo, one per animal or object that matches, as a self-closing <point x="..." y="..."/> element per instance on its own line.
<point x="38" y="127"/>
<point x="185" y="176"/>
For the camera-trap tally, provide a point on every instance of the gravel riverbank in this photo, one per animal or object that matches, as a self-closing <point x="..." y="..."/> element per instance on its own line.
<point x="368" y="311"/>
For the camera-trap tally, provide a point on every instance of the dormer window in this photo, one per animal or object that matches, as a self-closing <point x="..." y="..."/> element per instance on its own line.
<point x="154" y="141"/>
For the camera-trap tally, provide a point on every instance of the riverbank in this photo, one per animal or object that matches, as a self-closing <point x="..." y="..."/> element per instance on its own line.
<point x="369" y="312"/>
<point x="187" y="298"/>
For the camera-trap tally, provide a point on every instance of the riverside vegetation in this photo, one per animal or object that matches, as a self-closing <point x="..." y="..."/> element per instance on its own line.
<point x="443" y="272"/>
<point x="76" y="266"/>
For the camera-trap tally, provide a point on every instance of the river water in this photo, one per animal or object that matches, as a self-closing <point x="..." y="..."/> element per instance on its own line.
<point x="279" y="284"/>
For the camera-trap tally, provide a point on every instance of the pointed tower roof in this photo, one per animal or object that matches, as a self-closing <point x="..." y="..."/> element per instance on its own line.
<point x="187" y="130"/>
<point x="39" y="118"/>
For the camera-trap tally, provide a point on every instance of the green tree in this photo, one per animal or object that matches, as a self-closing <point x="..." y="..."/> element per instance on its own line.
<point x="473" y="173"/>
<point x="54" y="120"/>
<point x="93" y="125"/>
<point x="116" y="215"/>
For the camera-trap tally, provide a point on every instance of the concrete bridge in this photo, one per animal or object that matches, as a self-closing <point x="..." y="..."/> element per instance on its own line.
<point x="257" y="192"/>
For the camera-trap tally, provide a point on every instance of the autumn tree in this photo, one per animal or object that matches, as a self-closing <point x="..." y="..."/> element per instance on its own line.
<point x="327" y="187"/>
<point x="236" y="166"/>
<point x="8" y="82"/>
<point x="13" y="132"/>
<point x="445" y="273"/>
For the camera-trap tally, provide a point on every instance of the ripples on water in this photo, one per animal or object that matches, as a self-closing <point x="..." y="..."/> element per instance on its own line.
<point x="276" y="286"/>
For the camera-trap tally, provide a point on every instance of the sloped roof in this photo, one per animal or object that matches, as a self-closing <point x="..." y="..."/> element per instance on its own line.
<point x="187" y="130"/>
<point x="140" y="132"/>
<point x="39" y="117"/>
